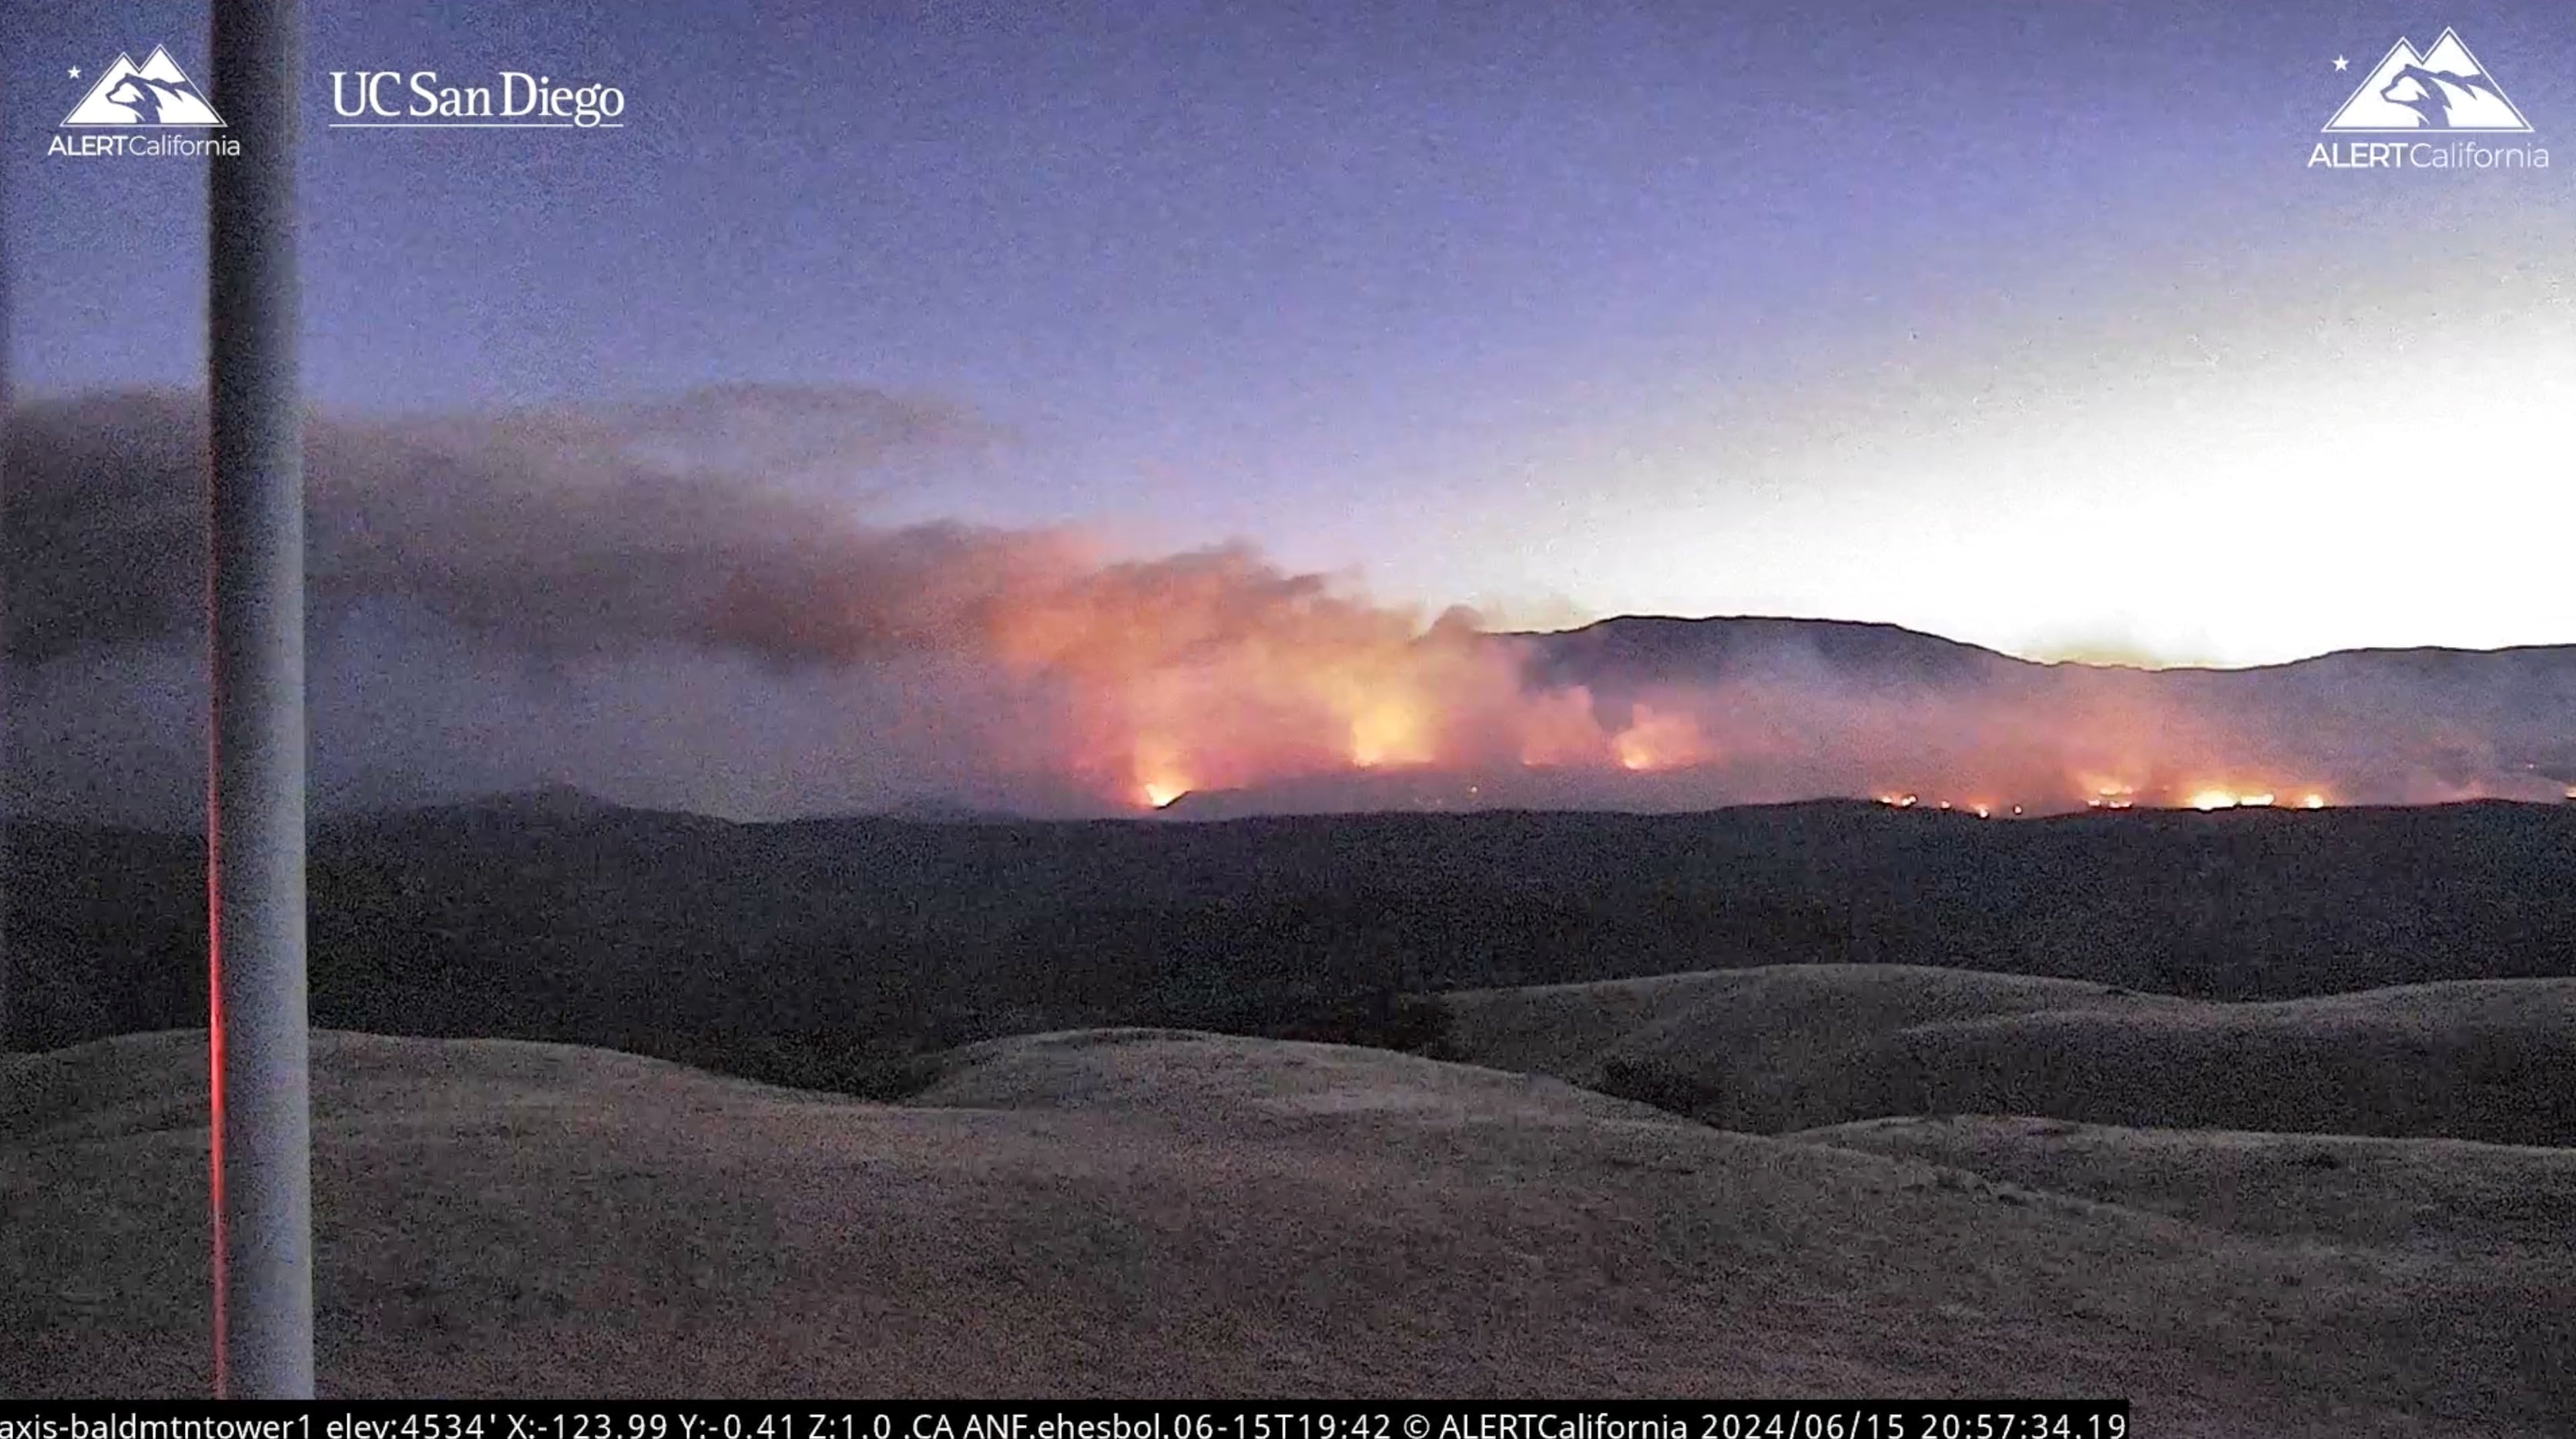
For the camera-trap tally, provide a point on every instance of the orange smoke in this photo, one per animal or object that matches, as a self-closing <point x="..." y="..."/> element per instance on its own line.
<point x="1659" y="740"/>
<point x="1216" y="671"/>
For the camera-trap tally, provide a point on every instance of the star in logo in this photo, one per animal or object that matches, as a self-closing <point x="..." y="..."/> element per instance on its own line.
<point x="2342" y="63"/>
<point x="75" y="72"/>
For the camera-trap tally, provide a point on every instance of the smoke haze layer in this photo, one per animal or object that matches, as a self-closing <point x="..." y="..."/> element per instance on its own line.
<point x="688" y="604"/>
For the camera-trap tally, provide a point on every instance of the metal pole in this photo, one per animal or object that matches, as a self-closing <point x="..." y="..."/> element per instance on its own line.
<point x="8" y="697"/>
<point x="262" y="1181"/>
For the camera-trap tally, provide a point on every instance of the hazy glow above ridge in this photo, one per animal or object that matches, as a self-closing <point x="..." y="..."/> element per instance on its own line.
<point x="2392" y="470"/>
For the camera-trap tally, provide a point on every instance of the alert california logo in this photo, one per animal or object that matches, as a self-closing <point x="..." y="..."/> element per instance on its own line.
<point x="148" y="111"/>
<point x="2433" y="109"/>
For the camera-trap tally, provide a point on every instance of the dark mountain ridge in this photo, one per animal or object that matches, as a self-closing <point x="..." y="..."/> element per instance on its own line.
<point x="829" y="951"/>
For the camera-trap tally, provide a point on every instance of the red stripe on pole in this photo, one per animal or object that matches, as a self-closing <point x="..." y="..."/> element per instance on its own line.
<point x="215" y="987"/>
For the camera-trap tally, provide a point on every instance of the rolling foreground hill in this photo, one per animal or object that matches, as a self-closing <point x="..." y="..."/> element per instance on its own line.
<point x="1796" y="1047"/>
<point x="2438" y="1197"/>
<point x="1139" y="1211"/>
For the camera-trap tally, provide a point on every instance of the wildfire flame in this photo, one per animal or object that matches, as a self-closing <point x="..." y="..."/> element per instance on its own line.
<point x="2219" y="797"/>
<point x="1389" y="732"/>
<point x="1215" y="672"/>
<point x="2101" y="794"/>
<point x="1038" y="670"/>
<point x="1656" y="740"/>
<point x="1159" y="777"/>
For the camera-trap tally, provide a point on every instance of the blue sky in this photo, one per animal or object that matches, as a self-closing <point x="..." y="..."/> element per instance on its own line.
<point x="2028" y="325"/>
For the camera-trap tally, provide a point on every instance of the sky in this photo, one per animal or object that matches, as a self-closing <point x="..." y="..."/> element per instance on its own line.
<point x="2027" y="325"/>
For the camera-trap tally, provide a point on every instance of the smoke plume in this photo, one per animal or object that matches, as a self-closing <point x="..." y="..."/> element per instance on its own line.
<point x="689" y="604"/>
<point x="673" y="602"/>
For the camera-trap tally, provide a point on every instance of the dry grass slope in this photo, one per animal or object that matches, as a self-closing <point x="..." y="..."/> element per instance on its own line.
<point x="1158" y="1212"/>
<point x="2490" y="1225"/>
<point x="1796" y="1047"/>
<point x="2433" y="1196"/>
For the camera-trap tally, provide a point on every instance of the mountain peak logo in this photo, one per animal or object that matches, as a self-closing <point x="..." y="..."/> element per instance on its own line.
<point x="2444" y="88"/>
<point x="156" y="93"/>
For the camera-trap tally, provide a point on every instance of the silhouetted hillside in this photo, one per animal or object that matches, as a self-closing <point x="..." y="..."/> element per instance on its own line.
<point x="1632" y="651"/>
<point x="834" y="950"/>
